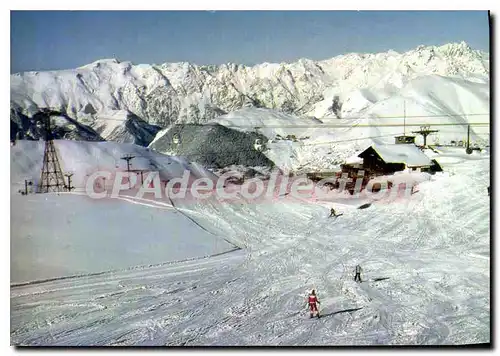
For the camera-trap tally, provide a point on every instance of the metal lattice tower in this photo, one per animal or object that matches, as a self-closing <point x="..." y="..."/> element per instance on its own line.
<point x="52" y="178"/>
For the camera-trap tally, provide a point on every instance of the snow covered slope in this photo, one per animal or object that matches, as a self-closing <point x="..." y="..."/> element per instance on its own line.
<point x="449" y="105"/>
<point x="184" y="92"/>
<point x="56" y="235"/>
<point x="113" y="125"/>
<point x="125" y="127"/>
<point x="84" y="158"/>
<point x="64" y="127"/>
<point x="425" y="260"/>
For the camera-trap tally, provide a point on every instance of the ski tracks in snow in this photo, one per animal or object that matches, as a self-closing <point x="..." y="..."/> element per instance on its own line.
<point x="435" y="292"/>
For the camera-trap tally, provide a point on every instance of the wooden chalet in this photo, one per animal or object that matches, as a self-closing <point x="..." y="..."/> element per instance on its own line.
<point x="387" y="159"/>
<point x="378" y="160"/>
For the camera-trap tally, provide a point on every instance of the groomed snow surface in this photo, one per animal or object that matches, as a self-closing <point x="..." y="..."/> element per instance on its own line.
<point x="433" y="249"/>
<point x="66" y="235"/>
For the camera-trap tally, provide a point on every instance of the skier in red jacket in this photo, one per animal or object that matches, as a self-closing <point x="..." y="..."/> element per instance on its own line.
<point x="313" y="301"/>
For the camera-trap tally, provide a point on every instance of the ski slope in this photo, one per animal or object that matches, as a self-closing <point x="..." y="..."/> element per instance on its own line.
<point x="56" y="236"/>
<point x="433" y="249"/>
<point x="59" y="235"/>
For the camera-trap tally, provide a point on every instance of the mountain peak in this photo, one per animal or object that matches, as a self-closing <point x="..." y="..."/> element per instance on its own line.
<point x="457" y="49"/>
<point x="102" y="61"/>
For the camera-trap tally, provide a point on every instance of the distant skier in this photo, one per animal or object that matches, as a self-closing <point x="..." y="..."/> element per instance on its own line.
<point x="313" y="303"/>
<point x="488" y="191"/>
<point x="357" y="276"/>
<point x="333" y="213"/>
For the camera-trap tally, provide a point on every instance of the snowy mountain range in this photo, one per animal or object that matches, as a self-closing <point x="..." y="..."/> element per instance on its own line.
<point x="107" y="94"/>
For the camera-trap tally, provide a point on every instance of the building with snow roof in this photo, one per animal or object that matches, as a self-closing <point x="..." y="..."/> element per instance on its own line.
<point x="384" y="159"/>
<point x="392" y="158"/>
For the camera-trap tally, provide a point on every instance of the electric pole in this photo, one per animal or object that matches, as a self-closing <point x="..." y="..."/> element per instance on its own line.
<point x="69" y="175"/>
<point x="468" y="150"/>
<point x="26" y="183"/>
<point x="128" y="158"/>
<point x="404" y="117"/>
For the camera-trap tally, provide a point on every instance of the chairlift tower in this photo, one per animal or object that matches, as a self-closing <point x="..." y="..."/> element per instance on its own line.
<point x="425" y="131"/>
<point x="128" y="158"/>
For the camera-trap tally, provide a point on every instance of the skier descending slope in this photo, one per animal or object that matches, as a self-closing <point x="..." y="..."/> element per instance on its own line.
<point x="334" y="213"/>
<point x="313" y="303"/>
<point x="357" y="276"/>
